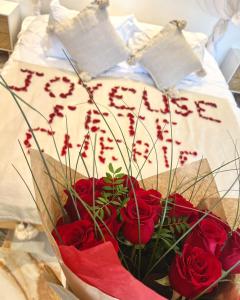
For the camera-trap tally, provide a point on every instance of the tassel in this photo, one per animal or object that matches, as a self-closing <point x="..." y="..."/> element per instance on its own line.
<point x="181" y="24"/>
<point x="102" y="3"/>
<point x="85" y="76"/>
<point x="201" y="73"/>
<point x="171" y="92"/>
<point x="25" y="232"/>
<point x="132" y="60"/>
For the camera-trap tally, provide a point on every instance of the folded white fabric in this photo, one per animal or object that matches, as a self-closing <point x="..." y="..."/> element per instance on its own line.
<point x="168" y="57"/>
<point x="90" y="39"/>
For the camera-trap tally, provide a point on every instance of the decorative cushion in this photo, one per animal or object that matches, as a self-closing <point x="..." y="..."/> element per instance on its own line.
<point x="144" y="32"/>
<point x="168" y="57"/>
<point x="90" y="39"/>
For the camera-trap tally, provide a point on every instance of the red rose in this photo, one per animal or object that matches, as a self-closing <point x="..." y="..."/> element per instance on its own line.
<point x="182" y="207"/>
<point x="79" y="234"/>
<point x="209" y="235"/>
<point x="130" y="181"/>
<point x="130" y="222"/>
<point x="84" y="189"/>
<point x="231" y="253"/>
<point x="193" y="271"/>
<point x="152" y="198"/>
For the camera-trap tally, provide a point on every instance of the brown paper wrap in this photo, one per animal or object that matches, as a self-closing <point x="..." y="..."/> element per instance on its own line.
<point x="194" y="181"/>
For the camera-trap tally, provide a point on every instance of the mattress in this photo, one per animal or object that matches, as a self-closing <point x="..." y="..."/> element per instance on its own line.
<point x="213" y="137"/>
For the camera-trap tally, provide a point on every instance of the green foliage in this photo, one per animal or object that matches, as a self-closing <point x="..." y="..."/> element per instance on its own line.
<point x="114" y="193"/>
<point x="177" y="225"/>
<point x="169" y="232"/>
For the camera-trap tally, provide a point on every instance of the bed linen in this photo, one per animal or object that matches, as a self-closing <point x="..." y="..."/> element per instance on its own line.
<point x="203" y="137"/>
<point x="202" y="125"/>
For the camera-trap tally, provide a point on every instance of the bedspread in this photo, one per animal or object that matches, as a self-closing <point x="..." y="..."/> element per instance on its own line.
<point x="138" y="118"/>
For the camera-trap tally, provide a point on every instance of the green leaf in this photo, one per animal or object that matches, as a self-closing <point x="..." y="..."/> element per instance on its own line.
<point x="166" y="235"/>
<point x="119" y="181"/>
<point x="108" y="175"/>
<point x="106" y="195"/>
<point x="172" y="228"/>
<point x="118" y="170"/>
<point x="163" y="281"/>
<point x="167" y="242"/>
<point x="107" y="180"/>
<point x="178" y="227"/>
<point x="115" y="203"/>
<point x="103" y="200"/>
<point x="119" y="175"/>
<point x="108" y="188"/>
<point x="101" y="213"/>
<point x="110" y="167"/>
<point x="126" y="243"/>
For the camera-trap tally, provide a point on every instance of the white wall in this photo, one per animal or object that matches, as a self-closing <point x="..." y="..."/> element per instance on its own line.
<point x="161" y="11"/>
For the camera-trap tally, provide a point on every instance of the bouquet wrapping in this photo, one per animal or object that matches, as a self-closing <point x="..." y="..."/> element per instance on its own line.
<point x="97" y="273"/>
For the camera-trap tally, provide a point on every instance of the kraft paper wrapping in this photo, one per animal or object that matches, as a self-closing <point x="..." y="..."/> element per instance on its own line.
<point x="194" y="181"/>
<point x="22" y="277"/>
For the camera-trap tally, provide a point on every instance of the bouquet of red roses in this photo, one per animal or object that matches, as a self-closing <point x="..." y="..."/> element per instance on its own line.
<point x="111" y="228"/>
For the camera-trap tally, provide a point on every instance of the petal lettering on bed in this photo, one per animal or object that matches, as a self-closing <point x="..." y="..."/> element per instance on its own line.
<point x="28" y="136"/>
<point x="114" y="96"/>
<point x="27" y="80"/>
<point x="104" y="148"/>
<point x="183" y="157"/>
<point x="184" y="110"/>
<point x="147" y="104"/>
<point x="202" y="107"/>
<point x="93" y="123"/>
<point x="57" y="112"/>
<point x="141" y="149"/>
<point x="154" y="115"/>
<point x="60" y="80"/>
<point x="92" y="90"/>
<point x="67" y="145"/>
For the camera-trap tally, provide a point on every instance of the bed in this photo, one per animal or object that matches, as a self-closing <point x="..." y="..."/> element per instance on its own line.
<point x="207" y="127"/>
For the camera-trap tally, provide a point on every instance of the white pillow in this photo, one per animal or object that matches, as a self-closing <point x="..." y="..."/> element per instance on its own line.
<point x="168" y="57"/>
<point x="90" y="39"/>
<point x="124" y="26"/>
<point x="146" y="32"/>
